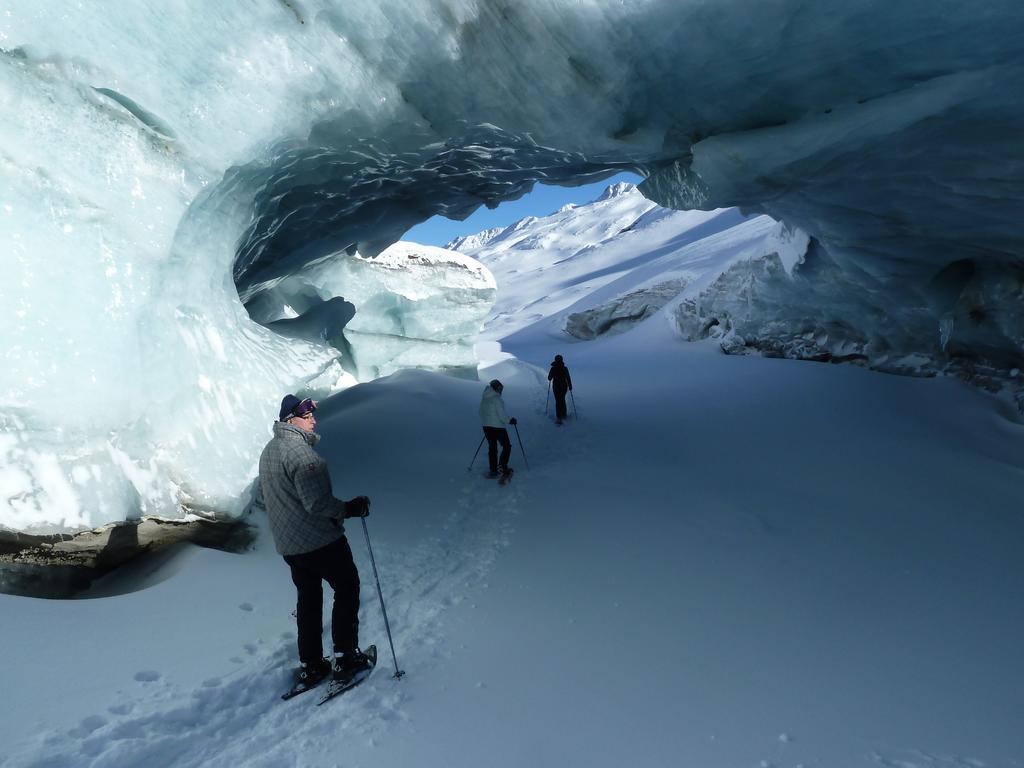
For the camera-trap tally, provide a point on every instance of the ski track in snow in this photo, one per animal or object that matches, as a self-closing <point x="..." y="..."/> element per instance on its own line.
<point x="919" y="759"/>
<point x="229" y="719"/>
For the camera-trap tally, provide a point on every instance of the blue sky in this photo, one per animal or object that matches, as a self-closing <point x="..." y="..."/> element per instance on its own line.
<point x="542" y="201"/>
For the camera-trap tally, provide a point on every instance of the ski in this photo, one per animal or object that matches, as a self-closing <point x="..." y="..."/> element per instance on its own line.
<point x="337" y="688"/>
<point x="506" y="477"/>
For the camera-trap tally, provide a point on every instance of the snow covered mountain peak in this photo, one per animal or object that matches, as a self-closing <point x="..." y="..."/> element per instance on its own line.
<point x="614" y="190"/>
<point x="466" y="243"/>
<point x="620" y="207"/>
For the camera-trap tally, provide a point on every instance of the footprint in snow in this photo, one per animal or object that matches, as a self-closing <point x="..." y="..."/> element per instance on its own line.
<point x="88" y="725"/>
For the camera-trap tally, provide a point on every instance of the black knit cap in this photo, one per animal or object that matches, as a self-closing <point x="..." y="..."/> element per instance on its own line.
<point x="288" y="405"/>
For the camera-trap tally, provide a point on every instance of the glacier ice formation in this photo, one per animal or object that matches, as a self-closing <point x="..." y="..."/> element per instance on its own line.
<point x="163" y="163"/>
<point x="418" y="307"/>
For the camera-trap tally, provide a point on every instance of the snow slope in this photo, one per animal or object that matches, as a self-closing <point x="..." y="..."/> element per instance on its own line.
<point x="582" y="256"/>
<point x="753" y="284"/>
<point x="725" y="561"/>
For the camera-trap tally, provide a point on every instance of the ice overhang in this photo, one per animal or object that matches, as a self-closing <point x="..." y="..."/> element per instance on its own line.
<point x="154" y="167"/>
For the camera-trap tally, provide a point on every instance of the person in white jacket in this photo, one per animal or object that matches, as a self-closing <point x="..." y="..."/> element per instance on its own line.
<point x="493" y="418"/>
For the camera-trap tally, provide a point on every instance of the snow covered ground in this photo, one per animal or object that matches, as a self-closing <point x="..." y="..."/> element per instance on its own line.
<point x="734" y="562"/>
<point x="723" y="562"/>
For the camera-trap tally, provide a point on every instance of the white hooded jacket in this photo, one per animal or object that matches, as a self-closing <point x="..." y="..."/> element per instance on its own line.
<point x="492" y="409"/>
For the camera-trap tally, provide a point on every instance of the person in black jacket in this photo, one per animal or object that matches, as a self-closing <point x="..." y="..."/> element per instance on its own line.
<point x="561" y="383"/>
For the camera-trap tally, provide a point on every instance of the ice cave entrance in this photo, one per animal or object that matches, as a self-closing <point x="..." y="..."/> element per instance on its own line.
<point x="310" y="264"/>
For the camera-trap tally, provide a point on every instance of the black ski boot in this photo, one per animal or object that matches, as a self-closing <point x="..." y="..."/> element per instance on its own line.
<point x="309" y="675"/>
<point x="347" y="667"/>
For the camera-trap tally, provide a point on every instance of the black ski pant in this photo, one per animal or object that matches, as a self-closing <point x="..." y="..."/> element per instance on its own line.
<point x="333" y="564"/>
<point x="560" y="409"/>
<point x="494" y="436"/>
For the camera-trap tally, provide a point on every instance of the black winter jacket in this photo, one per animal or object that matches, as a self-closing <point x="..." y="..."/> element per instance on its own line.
<point x="559" y="377"/>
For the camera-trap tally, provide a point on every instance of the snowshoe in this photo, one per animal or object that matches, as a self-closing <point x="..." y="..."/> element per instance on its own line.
<point x="352" y="663"/>
<point x="350" y="671"/>
<point x="308" y="677"/>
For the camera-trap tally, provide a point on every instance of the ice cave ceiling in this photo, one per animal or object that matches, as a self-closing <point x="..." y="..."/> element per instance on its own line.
<point x="891" y="135"/>
<point x="159" y="160"/>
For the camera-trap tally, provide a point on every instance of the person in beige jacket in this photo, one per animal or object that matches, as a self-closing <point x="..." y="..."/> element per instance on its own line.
<point x="494" y="419"/>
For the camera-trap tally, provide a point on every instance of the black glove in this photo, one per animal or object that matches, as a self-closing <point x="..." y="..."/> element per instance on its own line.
<point x="358" y="507"/>
<point x="513" y="421"/>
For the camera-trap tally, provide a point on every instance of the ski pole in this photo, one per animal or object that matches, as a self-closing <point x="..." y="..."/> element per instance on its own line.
<point x="470" y="467"/>
<point x="574" y="411"/>
<point x="387" y="626"/>
<point x="546" y="399"/>
<point x="521" y="446"/>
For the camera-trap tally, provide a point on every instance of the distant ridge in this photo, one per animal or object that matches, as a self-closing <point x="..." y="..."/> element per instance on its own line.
<point x="522" y="227"/>
<point x="472" y="242"/>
